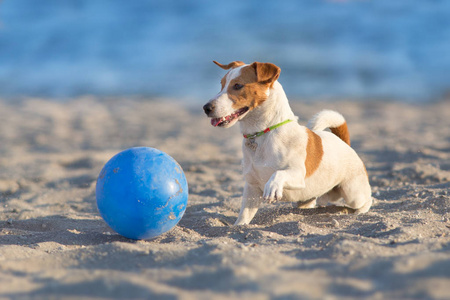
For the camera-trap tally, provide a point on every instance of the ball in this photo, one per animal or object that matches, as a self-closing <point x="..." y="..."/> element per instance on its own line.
<point x="141" y="193"/>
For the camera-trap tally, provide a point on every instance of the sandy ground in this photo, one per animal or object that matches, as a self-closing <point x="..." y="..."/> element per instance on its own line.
<point x="53" y="243"/>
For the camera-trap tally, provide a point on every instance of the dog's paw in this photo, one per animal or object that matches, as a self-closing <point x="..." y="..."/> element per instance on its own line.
<point x="273" y="191"/>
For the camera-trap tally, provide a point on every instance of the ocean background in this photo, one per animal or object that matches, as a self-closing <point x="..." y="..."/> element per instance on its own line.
<point x="327" y="50"/>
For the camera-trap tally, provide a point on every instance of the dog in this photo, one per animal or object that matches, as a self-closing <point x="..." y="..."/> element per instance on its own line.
<point x="282" y="160"/>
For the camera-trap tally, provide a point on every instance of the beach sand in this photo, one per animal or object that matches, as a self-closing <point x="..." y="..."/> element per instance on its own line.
<point x="54" y="244"/>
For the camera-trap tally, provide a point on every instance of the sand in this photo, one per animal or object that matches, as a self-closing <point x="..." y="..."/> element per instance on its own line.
<point x="54" y="244"/>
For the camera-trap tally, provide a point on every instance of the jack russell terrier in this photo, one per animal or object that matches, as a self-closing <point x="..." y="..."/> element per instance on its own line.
<point x="284" y="161"/>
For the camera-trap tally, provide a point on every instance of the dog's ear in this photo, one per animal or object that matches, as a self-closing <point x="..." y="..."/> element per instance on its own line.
<point x="266" y="73"/>
<point x="233" y="64"/>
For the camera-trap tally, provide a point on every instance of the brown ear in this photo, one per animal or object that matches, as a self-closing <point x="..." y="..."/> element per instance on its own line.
<point x="266" y="73"/>
<point x="233" y="64"/>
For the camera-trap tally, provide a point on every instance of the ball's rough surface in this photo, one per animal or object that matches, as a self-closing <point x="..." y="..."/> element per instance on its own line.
<point x="141" y="193"/>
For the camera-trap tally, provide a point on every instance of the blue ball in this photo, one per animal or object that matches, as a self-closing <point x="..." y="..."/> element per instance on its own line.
<point x="141" y="193"/>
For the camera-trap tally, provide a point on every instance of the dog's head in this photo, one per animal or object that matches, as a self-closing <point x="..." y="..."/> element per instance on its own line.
<point x="244" y="88"/>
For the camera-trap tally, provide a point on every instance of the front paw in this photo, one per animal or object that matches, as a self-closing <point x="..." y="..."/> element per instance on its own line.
<point x="273" y="191"/>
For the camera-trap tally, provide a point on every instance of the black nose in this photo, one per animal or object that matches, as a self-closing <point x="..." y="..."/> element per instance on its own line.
<point x="208" y="108"/>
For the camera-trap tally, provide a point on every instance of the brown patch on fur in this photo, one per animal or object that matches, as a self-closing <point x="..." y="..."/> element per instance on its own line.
<point x="342" y="133"/>
<point x="314" y="153"/>
<point x="267" y="73"/>
<point x="251" y="94"/>
<point x="255" y="80"/>
<point x="233" y="64"/>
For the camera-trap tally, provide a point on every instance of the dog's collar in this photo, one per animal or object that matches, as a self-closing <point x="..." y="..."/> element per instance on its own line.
<point x="256" y="134"/>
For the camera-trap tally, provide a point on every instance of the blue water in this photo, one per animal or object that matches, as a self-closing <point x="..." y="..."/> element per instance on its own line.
<point x="380" y="49"/>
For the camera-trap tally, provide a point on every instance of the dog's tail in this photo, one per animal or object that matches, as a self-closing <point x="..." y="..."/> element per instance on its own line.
<point x="332" y="120"/>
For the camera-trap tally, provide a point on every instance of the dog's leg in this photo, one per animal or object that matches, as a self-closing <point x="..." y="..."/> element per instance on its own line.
<point x="292" y="179"/>
<point x="332" y="196"/>
<point x="357" y="194"/>
<point x="307" y="204"/>
<point x="250" y="203"/>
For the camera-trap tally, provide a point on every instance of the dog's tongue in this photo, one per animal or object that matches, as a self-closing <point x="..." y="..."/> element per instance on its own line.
<point x="215" y="121"/>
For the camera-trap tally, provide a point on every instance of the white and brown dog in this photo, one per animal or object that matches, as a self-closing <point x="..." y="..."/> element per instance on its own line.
<point x="283" y="160"/>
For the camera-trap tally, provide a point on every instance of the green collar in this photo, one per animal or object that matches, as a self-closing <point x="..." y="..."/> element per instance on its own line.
<point x="255" y="135"/>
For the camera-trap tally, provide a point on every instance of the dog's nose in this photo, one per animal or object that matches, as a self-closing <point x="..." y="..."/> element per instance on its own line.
<point x="208" y="108"/>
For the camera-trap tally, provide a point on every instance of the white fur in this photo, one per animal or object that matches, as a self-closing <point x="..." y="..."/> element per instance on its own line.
<point x="275" y="170"/>
<point x="326" y="119"/>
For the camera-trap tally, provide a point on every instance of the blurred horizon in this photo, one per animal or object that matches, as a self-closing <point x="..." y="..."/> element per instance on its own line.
<point x="328" y="50"/>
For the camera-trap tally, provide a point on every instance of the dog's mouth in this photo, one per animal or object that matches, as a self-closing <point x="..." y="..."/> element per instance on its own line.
<point x="227" y="120"/>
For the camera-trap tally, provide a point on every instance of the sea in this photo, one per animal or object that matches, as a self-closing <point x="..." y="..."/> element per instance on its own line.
<point x="327" y="50"/>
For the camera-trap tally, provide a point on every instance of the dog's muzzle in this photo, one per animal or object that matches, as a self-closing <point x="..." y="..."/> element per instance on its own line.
<point x="209" y="108"/>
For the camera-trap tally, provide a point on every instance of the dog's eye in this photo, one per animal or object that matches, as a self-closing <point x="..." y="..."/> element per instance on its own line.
<point x="238" y="86"/>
